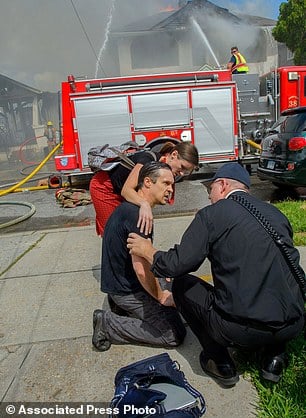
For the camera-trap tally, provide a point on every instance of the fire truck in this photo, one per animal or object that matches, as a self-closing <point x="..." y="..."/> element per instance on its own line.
<point x="223" y="115"/>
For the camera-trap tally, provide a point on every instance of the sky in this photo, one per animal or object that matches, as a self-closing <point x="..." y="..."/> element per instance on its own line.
<point x="43" y="41"/>
<point x="264" y="8"/>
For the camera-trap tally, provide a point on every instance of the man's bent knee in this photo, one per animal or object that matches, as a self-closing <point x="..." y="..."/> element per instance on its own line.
<point x="175" y="337"/>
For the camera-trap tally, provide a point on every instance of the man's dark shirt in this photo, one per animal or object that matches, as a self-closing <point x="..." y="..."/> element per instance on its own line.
<point x="251" y="277"/>
<point x="117" y="272"/>
<point x="233" y="61"/>
<point x="120" y="173"/>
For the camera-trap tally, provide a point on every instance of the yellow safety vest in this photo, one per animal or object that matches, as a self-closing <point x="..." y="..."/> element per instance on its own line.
<point x="241" y="64"/>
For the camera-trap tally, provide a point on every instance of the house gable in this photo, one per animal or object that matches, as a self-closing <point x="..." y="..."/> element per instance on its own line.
<point x="197" y="35"/>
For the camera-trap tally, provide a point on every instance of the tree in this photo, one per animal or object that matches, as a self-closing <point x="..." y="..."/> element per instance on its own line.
<point x="291" y="28"/>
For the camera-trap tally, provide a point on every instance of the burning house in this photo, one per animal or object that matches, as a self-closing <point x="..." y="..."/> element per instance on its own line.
<point x="196" y="35"/>
<point x="23" y="112"/>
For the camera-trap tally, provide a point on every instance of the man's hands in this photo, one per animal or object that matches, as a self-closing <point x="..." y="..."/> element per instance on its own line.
<point x="166" y="298"/>
<point x="150" y="283"/>
<point x="145" y="219"/>
<point x="141" y="247"/>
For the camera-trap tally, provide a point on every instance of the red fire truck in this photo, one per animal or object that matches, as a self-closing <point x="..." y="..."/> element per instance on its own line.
<point x="220" y="113"/>
<point x="287" y="85"/>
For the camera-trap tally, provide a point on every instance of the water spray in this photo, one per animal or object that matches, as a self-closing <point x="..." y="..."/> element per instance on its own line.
<point x="204" y="38"/>
<point x="107" y="30"/>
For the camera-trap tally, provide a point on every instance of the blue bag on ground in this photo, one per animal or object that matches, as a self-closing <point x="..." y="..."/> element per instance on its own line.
<point x="155" y="387"/>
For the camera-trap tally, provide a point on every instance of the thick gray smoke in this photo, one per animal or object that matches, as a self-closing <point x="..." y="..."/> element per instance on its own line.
<point x="42" y="41"/>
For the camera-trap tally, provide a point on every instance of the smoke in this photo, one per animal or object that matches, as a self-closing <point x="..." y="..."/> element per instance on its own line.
<point x="222" y="34"/>
<point x="42" y="41"/>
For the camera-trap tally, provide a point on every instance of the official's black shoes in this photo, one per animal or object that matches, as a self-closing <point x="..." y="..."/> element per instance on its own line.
<point x="99" y="339"/>
<point x="273" y="367"/>
<point x="223" y="372"/>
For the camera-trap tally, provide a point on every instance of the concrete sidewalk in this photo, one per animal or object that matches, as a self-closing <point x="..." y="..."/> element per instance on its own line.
<point x="49" y="283"/>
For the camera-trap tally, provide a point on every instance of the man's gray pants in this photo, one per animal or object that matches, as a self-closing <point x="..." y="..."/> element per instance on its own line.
<point x="147" y="322"/>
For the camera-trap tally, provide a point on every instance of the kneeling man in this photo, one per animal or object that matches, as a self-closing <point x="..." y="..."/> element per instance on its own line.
<point x="141" y="311"/>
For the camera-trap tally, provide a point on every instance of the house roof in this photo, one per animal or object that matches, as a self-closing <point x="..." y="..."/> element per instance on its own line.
<point x="257" y="20"/>
<point x="147" y="23"/>
<point x="181" y="16"/>
<point x="179" y="19"/>
<point x="10" y="88"/>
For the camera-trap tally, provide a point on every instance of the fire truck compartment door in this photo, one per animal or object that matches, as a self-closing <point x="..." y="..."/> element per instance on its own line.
<point x="101" y="120"/>
<point x="213" y="120"/>
<point x="160" y="110"/>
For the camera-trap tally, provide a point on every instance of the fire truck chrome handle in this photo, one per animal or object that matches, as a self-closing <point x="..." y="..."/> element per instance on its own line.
<point x="106" y="84"/>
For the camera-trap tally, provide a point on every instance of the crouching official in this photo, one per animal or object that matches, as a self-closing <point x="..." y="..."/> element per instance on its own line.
<point x="255" y="302"/>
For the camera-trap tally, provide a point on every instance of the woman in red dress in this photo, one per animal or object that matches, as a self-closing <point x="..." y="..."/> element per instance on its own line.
<point x="109" y="188"/>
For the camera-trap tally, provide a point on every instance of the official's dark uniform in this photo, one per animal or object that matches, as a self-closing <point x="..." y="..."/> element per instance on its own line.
<point x="255" y="300"/>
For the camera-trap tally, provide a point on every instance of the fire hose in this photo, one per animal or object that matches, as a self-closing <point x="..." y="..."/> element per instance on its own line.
<point x="21" y="218"/>
<point x="253" y="144"/>
<point x="16" y="187"/>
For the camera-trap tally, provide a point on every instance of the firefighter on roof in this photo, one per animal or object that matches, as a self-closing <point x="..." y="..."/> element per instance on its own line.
<point x="237" y="63"/>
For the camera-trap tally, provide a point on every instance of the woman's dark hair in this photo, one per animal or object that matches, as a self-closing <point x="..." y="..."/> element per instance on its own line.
<point x="151" y="170"/>
<point x="186" y="151"/>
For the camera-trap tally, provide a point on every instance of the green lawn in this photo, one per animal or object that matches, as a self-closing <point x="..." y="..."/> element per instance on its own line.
<point x="296" y="213"/>
<point x="286" y="399"/>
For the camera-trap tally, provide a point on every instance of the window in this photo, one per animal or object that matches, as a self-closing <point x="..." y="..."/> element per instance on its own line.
<point x="294" y="123"/>
<point x="160" y="50"/>
<point x="160" y="110"/>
